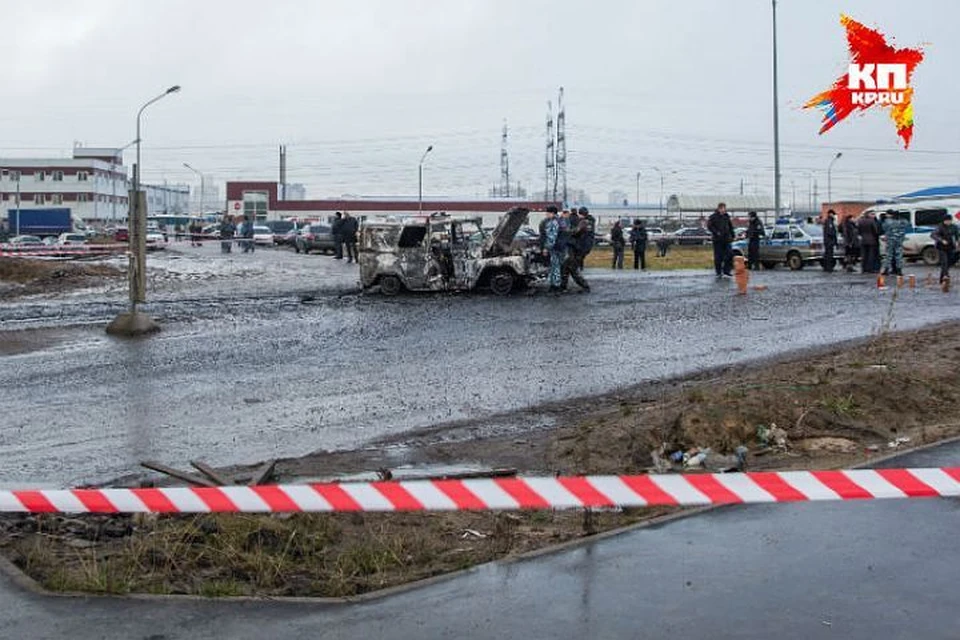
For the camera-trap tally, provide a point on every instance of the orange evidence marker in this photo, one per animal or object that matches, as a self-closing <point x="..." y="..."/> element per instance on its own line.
<point x="881" y="282"/>
<point x="912" y="281"/>
<point x="899" y="282"/>
<point x="945" y="285"/>
<point x="740" y="274"/>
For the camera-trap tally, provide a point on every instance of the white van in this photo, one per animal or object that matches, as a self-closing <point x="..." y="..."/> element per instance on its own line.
<point x="922" y="217"/>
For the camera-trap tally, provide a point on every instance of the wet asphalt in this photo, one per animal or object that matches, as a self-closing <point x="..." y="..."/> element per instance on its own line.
<point x="853" y="570"/>
<point x="246" y="369"/>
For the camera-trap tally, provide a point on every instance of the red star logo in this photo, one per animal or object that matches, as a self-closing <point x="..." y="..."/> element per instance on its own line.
<point x="879" y="75"/>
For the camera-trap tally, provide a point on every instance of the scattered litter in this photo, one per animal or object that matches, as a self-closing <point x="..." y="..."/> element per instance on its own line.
<point x="894" y="444"/>
<point x="473" y="533"/>
<point x="873" y="447"/>
<point x="826" y="623"/>
<point x="741" y="453"/>
<point x="881" y="367"/>
<point x="656" y="457"/>
<point x="760" y="287"/>
<point x="677" y="456"/>
<point x="695" y="458"/>
<point x="778" y="436"/>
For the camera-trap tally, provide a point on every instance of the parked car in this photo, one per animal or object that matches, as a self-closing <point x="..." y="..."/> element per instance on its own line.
<point x="26" y="240"/>
<point x="692" y="236"/>
<point x="439" y="253"/>
<point x="315" y="237"/>
<point x="262" y="235"/>
<point x="121" y="235"/>
<point x="792" y="244"/>
<point x="71" y="239"/>
<point x="155" y="240"/>
<point x="654" y="234"/>
<point x="280" y="229"/>
<point x="289" y="238"/>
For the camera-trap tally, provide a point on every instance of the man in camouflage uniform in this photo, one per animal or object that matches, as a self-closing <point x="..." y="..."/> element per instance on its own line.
<point x="895" y="230"/>
<point x="552" y="247"/>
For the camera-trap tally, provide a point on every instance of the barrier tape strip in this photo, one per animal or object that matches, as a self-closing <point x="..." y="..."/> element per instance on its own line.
<point x="501" y="493"/>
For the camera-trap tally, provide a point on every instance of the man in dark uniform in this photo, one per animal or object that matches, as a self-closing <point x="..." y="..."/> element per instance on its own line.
<point x="755" y="231"/>
<point x="638" y="242"/>
<point x="829" y="240"/>
<point x="336" y="230"/>
<point x="720" y="227"/>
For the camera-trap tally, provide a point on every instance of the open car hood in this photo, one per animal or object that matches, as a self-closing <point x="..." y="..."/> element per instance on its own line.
<point x="501" y="240"/>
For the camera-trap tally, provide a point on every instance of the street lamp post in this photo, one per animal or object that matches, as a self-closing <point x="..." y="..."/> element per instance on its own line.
<point x="776" y="122"/>
<point x="638" y="194"/>
<point x="661" y="190"/>
<point x="420" y="172"/>
<point x="203" y="190"/>
<point x="134" y="323"/>
<point x="830" y="178"/>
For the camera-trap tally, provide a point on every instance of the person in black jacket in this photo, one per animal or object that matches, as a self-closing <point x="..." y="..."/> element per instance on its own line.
<point x="336" y="230"/>
<point x="618" y="243"/>
<point x="829" y="240"/>
<point x="755" y="231"/>
<point x="946" y="238"/>
<point x="349" y="233"/>
<point x="869" y="243"/>
<point x="720" y="227"/>
<point x="851" y="242"/>
<point x="638" y="240"/>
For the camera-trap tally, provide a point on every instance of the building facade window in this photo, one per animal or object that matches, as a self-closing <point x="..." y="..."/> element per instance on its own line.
<point x="58" y="198"/>
<point x="82" y="176"/>
<point x="82" y="197"/>
<point x="255" y="204"/>
<point x="14" y="175"/>
<point x="58" y="176"/>
<point x="39" y="176"/>
<point x="38" y="198"/>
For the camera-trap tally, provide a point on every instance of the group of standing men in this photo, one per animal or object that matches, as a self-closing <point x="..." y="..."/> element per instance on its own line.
<point x="638" y="241"/>
<point x="566" y="239"/>
<point x="344" y="230"/>
<point x="861" y="241"/>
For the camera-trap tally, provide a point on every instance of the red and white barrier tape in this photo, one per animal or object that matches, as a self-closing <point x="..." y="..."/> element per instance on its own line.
<point x="502" y="493"/>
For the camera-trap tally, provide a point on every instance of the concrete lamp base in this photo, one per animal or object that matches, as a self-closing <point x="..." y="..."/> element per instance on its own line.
<point x="132" y="324"/>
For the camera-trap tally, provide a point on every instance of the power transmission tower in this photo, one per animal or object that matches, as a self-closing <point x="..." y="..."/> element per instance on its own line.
<point x="504" y="164"/>
<point x="551" y="173"/>
<point x="562" y="145"/>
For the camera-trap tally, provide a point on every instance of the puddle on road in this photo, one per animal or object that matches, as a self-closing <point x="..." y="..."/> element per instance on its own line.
<point x="15" y="343"/>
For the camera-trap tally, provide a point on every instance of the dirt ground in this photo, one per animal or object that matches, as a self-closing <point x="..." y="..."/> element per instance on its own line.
<point x="25" y="276"/>
<point x="685" y="257"/>
<point x="823" y="410"/>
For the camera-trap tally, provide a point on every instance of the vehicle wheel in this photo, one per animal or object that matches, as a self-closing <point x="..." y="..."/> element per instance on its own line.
<point x="766" y="264"/>
<point x="794" y="261"/>
<point x="390" y="285"/>
<point x="930" y="256"/>
<point x="501" y="283"/>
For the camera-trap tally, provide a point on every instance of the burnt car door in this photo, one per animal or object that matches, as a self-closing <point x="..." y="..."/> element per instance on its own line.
<point x="466" y="249"/>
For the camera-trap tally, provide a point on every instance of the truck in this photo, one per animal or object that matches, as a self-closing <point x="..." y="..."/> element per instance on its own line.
<point x="40" y="222"/>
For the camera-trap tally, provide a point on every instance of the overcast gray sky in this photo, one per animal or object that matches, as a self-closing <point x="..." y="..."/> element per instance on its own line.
<point x="358" y="88"/>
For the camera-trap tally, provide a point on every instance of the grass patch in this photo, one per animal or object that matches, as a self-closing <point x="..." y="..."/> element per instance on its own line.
<point x="676" y="258"/>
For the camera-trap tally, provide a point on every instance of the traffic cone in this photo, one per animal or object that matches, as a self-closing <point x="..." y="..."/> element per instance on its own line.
<point x="899" y="282"/>
<point x="740" y="274"/>
<point x="881" y="281"/>
<point x="912" y="281"/>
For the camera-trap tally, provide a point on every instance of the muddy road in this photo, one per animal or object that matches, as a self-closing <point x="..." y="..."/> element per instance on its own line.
<point x="245" y="369"/>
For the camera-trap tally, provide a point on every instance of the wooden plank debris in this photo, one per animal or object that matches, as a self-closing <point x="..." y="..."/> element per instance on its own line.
<point x="179" y="475"/>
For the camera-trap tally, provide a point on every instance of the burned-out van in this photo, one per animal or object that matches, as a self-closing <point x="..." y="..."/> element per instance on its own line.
<point x="440" y="253"/>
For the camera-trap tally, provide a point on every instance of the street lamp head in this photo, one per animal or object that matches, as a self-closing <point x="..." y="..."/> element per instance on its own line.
<point x="430" y="148"/>
<point x="174" y="89"/>
<point x="839" y="153"/>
